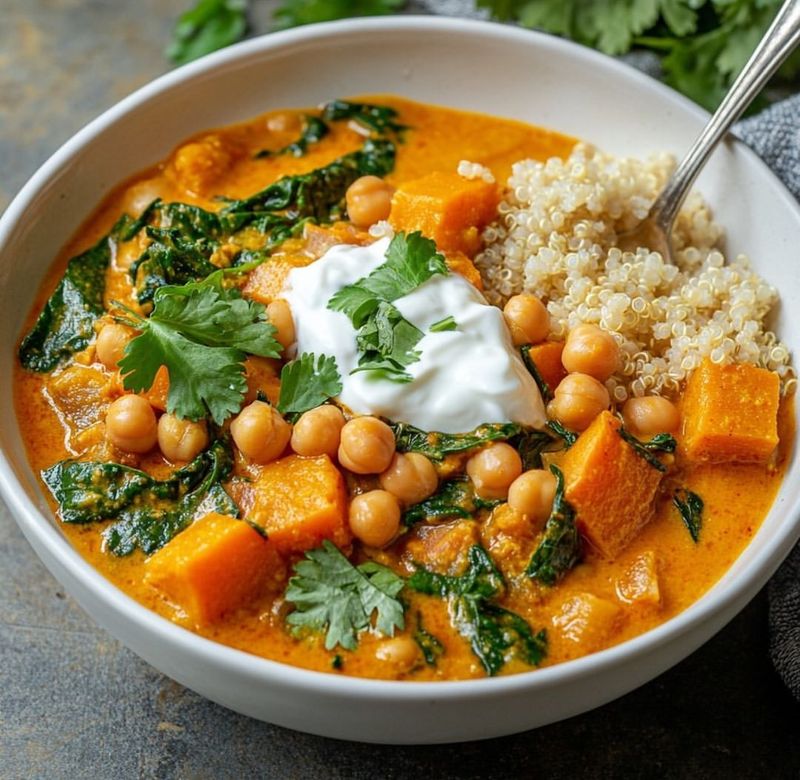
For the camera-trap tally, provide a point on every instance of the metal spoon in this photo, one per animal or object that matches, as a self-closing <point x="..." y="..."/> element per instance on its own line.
<point x="777" y="44"/>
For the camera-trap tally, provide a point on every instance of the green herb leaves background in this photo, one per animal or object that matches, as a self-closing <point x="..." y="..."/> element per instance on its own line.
<point x="701" y="44"/>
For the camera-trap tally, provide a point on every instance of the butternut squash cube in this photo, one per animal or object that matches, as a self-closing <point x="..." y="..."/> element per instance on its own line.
<point x="301" y="501"/>
<point x="215" y="566"/>
<point x="547" y="359"/>
<point x="156" y="396"/>
<point x="266" y="281"/>
<point x="447" y="208"/>
<point x="610" y="486"/>
<point x="586" y="620"/>
<point x="730" y="414"/>
<point x="639" y="583"/>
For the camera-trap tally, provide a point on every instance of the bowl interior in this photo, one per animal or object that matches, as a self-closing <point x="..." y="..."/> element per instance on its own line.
<point x="481" y="67"/>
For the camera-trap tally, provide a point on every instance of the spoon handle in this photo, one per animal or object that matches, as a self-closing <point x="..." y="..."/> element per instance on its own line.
<point x="777" y="44"/>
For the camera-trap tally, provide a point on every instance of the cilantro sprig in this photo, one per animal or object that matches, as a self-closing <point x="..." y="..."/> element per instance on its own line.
<point x="330" y="594"/>
<point x="385" y="339"/>
<point x="202" y="332"/>
<point x="308" y="382"/>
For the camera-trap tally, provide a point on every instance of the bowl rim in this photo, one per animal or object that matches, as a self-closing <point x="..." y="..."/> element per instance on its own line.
<point x="37" y="525"/>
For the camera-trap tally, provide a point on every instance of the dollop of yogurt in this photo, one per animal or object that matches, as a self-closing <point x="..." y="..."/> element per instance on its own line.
<point x="464" y="378"/>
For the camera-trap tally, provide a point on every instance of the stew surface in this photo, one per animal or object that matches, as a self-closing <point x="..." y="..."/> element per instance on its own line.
<point x="450" y="585"/>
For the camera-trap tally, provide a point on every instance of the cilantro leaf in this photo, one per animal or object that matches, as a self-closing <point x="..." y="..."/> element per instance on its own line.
<point x="308" y="382"/>
<point x="207" y="26"/>
<point x="448" y="323"/>
<point x="385" y="339"/>
<point x="201" y="332"/>
<point x="292" y="13"/>
<point x="332" y="595"/>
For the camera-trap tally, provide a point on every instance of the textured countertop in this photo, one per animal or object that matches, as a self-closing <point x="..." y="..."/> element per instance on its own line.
<point x="74" y="703"/>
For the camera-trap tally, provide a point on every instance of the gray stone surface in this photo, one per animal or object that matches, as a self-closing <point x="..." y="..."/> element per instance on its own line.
<point x="76" y="704"/>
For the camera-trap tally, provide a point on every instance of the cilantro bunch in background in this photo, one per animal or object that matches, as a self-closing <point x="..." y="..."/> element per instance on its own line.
<point x="702" y="44"/>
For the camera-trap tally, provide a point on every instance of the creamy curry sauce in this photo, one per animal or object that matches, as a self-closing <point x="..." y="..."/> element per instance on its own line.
<point x="737" y="497"/>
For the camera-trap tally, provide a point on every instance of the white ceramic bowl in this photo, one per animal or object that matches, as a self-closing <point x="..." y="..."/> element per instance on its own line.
<point x="470" y="65"/>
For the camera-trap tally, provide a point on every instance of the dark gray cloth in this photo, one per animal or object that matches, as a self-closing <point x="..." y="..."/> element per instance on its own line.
<point x="774" y="135"/>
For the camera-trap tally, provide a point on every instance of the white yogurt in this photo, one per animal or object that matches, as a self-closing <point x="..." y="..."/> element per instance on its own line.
<point x="464" y="377"/>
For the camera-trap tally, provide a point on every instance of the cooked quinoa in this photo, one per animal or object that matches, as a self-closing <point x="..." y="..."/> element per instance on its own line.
<point x="556" y="238"/>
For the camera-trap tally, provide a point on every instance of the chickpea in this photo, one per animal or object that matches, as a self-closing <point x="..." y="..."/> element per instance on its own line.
<point x="527" y="319"/>
<point x="493" y="469"/>
<point x="318" y="431"/>
<point x="577" y="400"/>
<point x="280" y="315"/>
<point x="401" y="652"/>
<point x="111" y="343"/>
<point x="650" y="415"/>
<point x="260" y="433"/>
<point x="369" y="200"/>
<point x="366" y="446"/>
<point x="410" y="477"/>
<point x="591" y="350"/>
<point x="375" y="517"/>
<point x="180" y="440"/>
<point x="131" y="424"/>
<point x="532" y="493"/>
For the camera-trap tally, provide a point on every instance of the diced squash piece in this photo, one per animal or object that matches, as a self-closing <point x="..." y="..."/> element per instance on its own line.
<point x="199" y="164"/>
<point x="730" y="414"/>
<point x="547" y="359"/>
<point x="443" y="547"/>
<point x="215" y="566"/>
<point x="610" y="486"/>
<point x="266" y="281"/>
<point x="301" y="501"/>
<point x="262" y="377"/>
<point x="639" y="583"/>
<point x="318" y="240"/>
<point x="446" y="207"/>
<point x="461" y="264"/>
<point x="81" y="395"/>
<point x="156" y="396"/>
<point x="587" y="621"/>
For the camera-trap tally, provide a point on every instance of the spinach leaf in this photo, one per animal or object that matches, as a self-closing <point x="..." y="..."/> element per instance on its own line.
<point x="430" y="646"/>
<point x="318" y="194"/>
<point x="455" y="498"/>
<point x="663" y="442"/>
<point x="495" y="634"/>
<point x="437" y="445"/>
<point x="530" y="444"/>
<point x="560" y="547"/>
<point x="690" y="506"/>
<point x="314" y="130"/>
<point x="379" y="119"/>
<point x="148" y="512"/>
<point x="569" y="437"/>
<point x="544" y="388"/>
<point x="65" y="324"/>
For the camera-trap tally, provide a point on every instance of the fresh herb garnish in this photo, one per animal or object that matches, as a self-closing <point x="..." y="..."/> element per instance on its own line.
<point x="207" y="26"/>
<point x="430" y="646"/>
<point x="314" y="130"/>
<point x="569" y="437"/>
<point x="330" y="594"/>
<point x="544" y="388"/>
<point x="379" y="119"/>
<point x="448" y="323"/>
<point x="386" y="340"/>
<point x="530" y="444"/>
<point x="65" y="324"/>
<point x="560" y="546"/>
<point x="662" y="442"/>
<point x="436" y="445"/>
<point x="455" y="498"/>
<point x="148" y="512"/>
<point x="495" y="634"/>
<point x="308" y="382"/>
<point x="690" y="506"/>
<point x="202" y="333"/>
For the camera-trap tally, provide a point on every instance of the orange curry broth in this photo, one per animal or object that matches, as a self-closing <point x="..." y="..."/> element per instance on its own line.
<point x="736" y="497"/>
